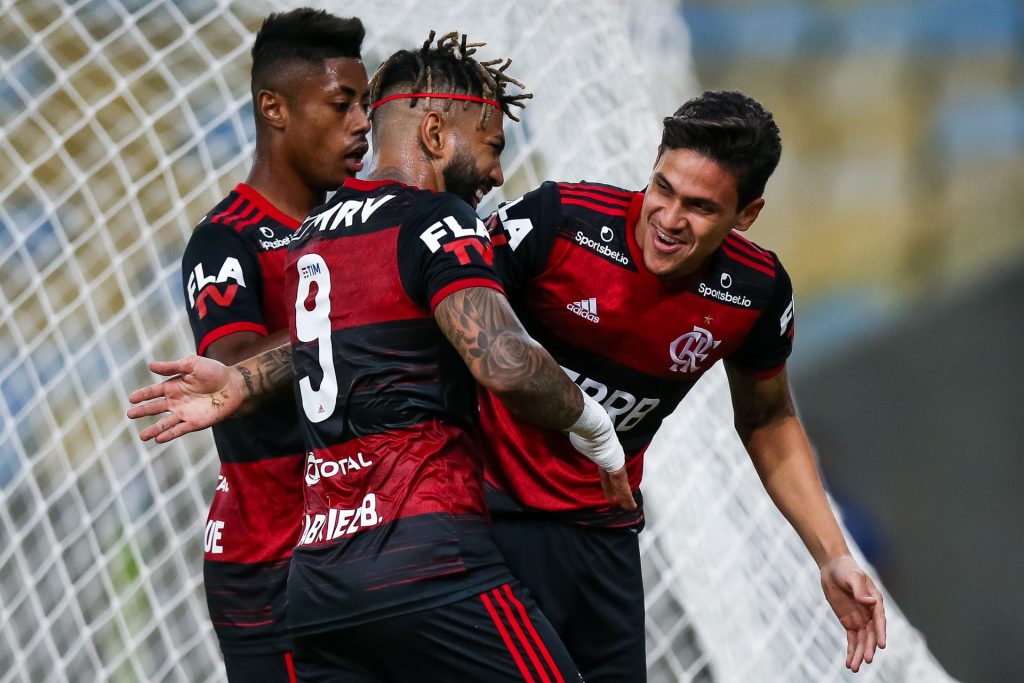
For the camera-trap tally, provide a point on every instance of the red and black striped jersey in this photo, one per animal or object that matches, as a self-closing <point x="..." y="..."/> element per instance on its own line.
<point x="636" y="344"/>
<point x="394" y="518"/>
<point x="233" y="275"/>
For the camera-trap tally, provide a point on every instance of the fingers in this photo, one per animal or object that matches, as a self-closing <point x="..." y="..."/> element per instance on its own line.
<point x="180" y="429"/>
<point x="146" y="393"/>
<point x="878" y="621"/>
<point x="858" y="652"/>
<point x="616" y="488"/>
<point x="147" y="409"/>
<point x="851" y="645"/>
<point x="173" y="367"/>
<point x="157" y="430"/>
<point x="869" y="644"/>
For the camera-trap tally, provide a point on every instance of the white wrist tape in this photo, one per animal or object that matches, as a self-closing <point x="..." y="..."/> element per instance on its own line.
<point x="593" y="435"/>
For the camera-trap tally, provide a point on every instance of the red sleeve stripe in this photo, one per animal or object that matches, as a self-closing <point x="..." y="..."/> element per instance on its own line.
<point x="749" y="248"/>
<point x="594" y="195"/>
<point x="740" y="258"/>
<point x="595" y="207"/>
<point x="264" y="204"/>
<point x="230" y="210"/>
<point x="246" y="211"/>
<point x="246" y="223"/>
<point x="450" y="289"/>
<point x="225" y="330"/>
<point x="597" y="188"/>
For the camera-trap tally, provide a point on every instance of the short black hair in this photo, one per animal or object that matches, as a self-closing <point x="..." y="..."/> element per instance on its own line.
<point x="301" y="37"/>
<point x="733" y="130"/>
<point x="448" y="66"/>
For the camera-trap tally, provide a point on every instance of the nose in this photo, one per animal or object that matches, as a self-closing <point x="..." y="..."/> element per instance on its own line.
<point x="496" y="176"/>
<point x="361" y="121"/>
<point x="673" y="216"/>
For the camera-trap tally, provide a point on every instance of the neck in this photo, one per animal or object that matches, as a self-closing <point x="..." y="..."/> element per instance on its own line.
<point x="282" y="186"/>
<point x="405" y="163"/>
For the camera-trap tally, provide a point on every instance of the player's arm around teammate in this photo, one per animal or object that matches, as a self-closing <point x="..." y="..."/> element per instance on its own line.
<point x="767" y="423"/>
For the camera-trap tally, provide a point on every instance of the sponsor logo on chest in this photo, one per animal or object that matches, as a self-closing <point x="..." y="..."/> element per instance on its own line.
<point x="270" y="239"/>
<point x="599" y="248"/>
<point x="585" y="308"/>
<point x="721" y="294"/>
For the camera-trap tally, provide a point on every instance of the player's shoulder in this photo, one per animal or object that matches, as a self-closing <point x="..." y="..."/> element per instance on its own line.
<point x="743" y="254"/>
<point x="589" y="199"/>
<point x="745" y="274"/>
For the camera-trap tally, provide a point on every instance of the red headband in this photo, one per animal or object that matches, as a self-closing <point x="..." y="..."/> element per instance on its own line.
<point x="440" y="96"/>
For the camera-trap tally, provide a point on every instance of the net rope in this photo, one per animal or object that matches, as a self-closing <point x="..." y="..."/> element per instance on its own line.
<point x="121" y="123"/>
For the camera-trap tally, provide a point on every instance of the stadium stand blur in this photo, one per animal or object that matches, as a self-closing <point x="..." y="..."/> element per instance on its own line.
<point x="897" y="209"/>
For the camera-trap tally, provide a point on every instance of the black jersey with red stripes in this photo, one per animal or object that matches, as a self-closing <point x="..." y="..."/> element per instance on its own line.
<point x="636" y="344"/>
<point x="395" y="518"/>
<point x="233" y="275"/>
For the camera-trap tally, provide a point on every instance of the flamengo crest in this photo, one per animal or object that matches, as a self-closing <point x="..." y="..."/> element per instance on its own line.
<point x="691" y="349"/>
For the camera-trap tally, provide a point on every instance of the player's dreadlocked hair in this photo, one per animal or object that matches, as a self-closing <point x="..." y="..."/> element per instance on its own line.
<point x="733" y="130"/>
<point x="448" y="67"/>
<point x="301" y="36"/>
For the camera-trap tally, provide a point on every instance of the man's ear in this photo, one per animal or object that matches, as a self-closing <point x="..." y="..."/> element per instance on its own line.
<point x="433" y="130"/>
<point x="272" y="108"/>
<point x="748" y="214"/>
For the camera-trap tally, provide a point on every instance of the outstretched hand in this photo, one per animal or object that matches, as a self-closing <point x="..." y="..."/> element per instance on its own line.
<point x="857" y="603"/>
<point x="200" y="392"/>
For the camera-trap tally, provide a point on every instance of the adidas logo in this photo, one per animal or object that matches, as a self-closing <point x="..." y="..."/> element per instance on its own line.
<point x="587" y="308"/>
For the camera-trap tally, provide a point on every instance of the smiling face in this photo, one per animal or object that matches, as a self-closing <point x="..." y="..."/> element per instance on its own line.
<point x="327" y="123"/>
<point x="688" y="210"/>
<point x="474" y="167"/>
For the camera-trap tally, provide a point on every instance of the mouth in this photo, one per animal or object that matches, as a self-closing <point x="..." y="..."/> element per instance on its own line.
<point x="354" y="156"/>
<point x="664" y="242"/>
<point x="479" y="195"/>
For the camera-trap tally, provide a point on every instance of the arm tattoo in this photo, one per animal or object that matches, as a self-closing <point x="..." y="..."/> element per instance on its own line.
<point x="759" y="402"/>
<point x="274" y="368"/>
<point x="247" y="376"/>
<point x="501" y="355"/>
<point x="268" y="372"/>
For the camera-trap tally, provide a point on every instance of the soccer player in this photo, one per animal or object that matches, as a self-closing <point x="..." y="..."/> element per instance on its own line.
<point x="636" y="295"/>
<point x="397" y="309"/>
<point x="310" y="97"/>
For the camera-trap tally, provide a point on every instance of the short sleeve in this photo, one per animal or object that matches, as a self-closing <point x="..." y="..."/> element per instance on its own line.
<point x="221" y="277"/>
<point x="443" y="248"/>
<point x="770" y="341"/>
<point x="523" y="234"/>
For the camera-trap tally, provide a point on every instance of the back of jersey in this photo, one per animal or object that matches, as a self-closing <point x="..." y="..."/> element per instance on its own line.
<point x="394" y="512"/>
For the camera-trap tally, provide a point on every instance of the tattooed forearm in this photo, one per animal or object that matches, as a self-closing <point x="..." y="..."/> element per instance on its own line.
<point x="274" y="368"/>
<point x="504" y="358"/>
<point x="759" y="402"/>
<point x="247" y="376"/>
<point x="268" y="372"/>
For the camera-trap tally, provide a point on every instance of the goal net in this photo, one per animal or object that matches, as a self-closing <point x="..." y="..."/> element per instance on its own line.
<point x="121" y="123"/>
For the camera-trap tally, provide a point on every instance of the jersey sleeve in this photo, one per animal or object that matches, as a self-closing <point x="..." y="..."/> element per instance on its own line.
<point x="442" y="249"/>
<point x="769" y="343"/>
<point x="523" y="233"/>
<point x="222" y="281"/>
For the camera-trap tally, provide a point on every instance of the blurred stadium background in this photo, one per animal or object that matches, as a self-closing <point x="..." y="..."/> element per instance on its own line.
<point x="896" y="208"/>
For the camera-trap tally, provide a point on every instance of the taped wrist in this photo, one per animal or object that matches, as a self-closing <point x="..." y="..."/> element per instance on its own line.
<point x="593" y="435"/>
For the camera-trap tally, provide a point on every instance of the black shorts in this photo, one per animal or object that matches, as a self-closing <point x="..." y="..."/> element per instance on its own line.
<point x="276" y="667"/>
<point x="587" y="581"/>
<point x="498" y="636"/>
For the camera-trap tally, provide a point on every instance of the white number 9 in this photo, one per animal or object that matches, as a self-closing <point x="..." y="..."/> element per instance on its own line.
<point x="315" y="325"/>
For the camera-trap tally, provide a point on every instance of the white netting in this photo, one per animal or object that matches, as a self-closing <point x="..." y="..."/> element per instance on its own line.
<point x="121" y="123"/>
